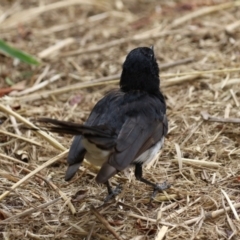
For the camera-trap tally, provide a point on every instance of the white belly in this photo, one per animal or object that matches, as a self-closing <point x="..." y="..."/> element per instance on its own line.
<point x="98" y="156"/>
<point x="95" y="155"/>
<point x="149" y="155"/>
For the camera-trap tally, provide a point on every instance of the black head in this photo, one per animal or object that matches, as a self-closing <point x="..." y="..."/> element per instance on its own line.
<point x="140" y="71"/>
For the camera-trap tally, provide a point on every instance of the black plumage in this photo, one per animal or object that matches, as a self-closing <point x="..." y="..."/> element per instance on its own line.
<point x="126" y="127"/>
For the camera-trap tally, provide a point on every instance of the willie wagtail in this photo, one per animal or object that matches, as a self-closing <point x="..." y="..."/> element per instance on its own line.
<point x="126" y="127"/>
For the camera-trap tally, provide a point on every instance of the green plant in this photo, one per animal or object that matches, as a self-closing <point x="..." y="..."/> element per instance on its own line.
<point x="16" y="53"/>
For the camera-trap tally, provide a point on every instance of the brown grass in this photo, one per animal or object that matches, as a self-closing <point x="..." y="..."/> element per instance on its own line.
<point x="82" y="45"/>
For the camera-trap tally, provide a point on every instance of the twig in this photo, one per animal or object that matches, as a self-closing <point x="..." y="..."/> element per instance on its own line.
<point x="232" y="226"/>
<point x="204" y="11"/>
<point x="21" y="138"/>
<point x="229" y="82"/>
<point x="214" y="214"/>
<point x="210" y="118"/>
<point x="234" y="97"/>
<point x="37" y="175"/>
<point x="181" y="210"/>
<point x="227" y="110"/>
<point x="191" y="221"/>
<point x="151" y="220"/>
<point x="46" y="164"/>
<point x="39" y="86"/>
<point x="14" y="122"/>
<point x="13" y="159"/>
<point x="8" y="12"/>
<point x="226" y="70"/>
<point x="107" y="78"/>
<point x="179" y="156"/>
<point x="64" y="197"/>
<point x="51" y="184"/>
<point x="7" y="143"/>
<point x="91" y="232"/>
<point x="217" y="213"/>
<point x="201" y="163"/>
<point x="81" y="231"/>
<point x="38" y="236"/>
<point x="65" y="26"/>
<point x="193" y="130"/>
<point x="9" y="176"/>
<point x="34" y="172"/>
<point x="176" y="63"/>
<point x="46" y="94"/>
<point x="30" y="211"/>
<point x="179" y="80"/>
<point x="161" y="233"/>
<point x="231" y="27"/>
<point x="199" y="223"/>
<point x="231" y="205"/>
<point x="43" y="134"/>
<point x="105" y="223"/>
<point x="29" y="14"/>
<point x="171" y="206"/>
<point x="42" y="75"/>
<point x="96" y="48"/>
<point x="116" y="42"/>
<point x="167" y="197"/>
<point x="51" y="51"/>
<point x="142" y="217"/>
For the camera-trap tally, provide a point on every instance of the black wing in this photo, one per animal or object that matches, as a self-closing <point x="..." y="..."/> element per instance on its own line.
<point x="136" y="136"/>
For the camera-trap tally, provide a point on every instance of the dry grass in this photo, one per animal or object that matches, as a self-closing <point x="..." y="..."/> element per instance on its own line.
<point x="82" y="45"/>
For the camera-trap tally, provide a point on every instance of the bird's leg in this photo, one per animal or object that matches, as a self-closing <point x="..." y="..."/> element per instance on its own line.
<point x="156" y="187"/>
<point x="112" y="193"/>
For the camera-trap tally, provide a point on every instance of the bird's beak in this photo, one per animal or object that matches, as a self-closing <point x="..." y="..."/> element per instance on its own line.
<point x="152" y="47"/>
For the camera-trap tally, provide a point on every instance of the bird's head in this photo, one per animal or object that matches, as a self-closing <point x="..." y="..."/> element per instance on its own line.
<point x="140" y="71"/>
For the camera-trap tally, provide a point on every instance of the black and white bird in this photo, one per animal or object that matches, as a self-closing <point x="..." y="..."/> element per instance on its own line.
<point x="126" y="127"/>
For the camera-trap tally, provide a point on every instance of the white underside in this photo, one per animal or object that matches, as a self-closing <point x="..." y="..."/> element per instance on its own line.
<point x="95" y="155"/>
<point x="98" y="156"/>
<point x="149" y="155"/>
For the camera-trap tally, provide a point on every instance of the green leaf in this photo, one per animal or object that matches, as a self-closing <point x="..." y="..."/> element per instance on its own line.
<point x="15" y="53"/>
<point x="9" y="81"/>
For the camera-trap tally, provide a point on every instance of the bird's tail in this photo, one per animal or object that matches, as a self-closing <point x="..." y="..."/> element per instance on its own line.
<point x="75" y="128"/>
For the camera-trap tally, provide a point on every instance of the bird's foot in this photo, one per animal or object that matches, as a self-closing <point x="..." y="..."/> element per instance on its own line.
<point x="159" y="188"/>
<point x="113" y="193"/>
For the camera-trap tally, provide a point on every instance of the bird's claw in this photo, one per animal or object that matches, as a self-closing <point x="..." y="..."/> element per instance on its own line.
<point x="160" y="188"/>
<point x="113" y="193"/>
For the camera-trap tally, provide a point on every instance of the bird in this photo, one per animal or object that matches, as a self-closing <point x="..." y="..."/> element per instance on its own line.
<point x="125" y="128"/>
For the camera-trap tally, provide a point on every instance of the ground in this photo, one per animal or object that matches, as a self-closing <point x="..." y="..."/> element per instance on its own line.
<point x="82" y="45"/>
